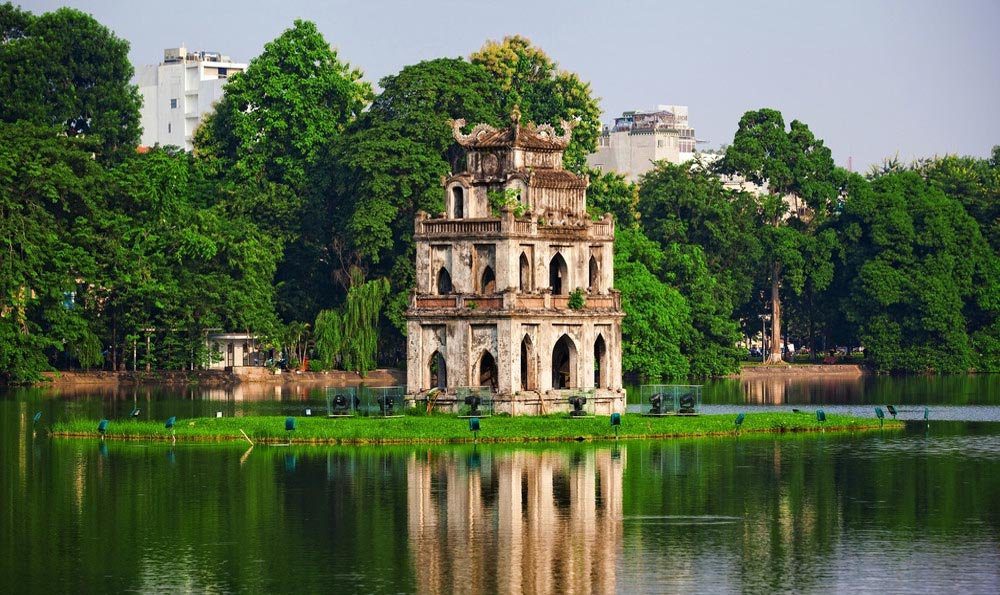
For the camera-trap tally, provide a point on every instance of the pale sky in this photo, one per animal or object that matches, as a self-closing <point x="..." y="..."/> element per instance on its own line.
<point x="873" y="79"/>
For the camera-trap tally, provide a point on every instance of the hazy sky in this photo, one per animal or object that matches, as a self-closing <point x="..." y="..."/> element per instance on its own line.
<point x="872" y="79"/>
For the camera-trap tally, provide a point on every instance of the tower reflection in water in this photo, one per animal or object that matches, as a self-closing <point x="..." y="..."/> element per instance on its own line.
<point x="521" y="521"/>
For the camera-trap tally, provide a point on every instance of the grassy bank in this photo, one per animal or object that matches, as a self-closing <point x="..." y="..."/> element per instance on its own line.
<point x="413" y="429"/>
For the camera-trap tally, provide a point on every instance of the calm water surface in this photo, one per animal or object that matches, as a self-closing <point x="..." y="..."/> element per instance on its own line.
<point x="903" y="511"/>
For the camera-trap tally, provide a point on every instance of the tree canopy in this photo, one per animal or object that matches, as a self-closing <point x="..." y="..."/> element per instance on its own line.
<point x="64" y="69"/>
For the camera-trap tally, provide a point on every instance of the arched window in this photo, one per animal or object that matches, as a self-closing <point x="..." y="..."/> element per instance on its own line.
<point x="457" y="202"/>
<point x="438" y="371"/>
<point x="528" y="367"/>
<point x="564" y="363"/>
<point x="525" y="273"/>
<point x="443" y="282"/>
<point x="600" y="363"/>
<point x="488" y="371"/>
<point x="557" y="275"/>
<point x="488" y="282"/>
<point x="595" y="276"/>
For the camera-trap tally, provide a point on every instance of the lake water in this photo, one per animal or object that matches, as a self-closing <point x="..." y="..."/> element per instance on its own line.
<point x="916" y="510"/>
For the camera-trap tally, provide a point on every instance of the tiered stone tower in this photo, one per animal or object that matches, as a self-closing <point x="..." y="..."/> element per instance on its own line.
<point x="495" y="282"/>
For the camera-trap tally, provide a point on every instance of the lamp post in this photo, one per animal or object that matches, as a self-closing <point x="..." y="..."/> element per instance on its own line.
<point x="763" y="336"/>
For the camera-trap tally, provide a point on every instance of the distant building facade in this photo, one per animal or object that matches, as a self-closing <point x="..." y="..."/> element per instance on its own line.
<point x="639" y="138"/>
<point x="179" y="92"/>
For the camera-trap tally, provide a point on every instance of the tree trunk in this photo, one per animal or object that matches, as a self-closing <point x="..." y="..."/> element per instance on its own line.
<point x="775" y="356"/>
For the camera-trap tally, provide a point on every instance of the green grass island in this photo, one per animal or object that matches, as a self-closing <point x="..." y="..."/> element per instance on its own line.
<point x="446" y="429"/>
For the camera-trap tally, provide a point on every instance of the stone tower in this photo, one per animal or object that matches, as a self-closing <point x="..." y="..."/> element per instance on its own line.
<point x="496" y="277"/>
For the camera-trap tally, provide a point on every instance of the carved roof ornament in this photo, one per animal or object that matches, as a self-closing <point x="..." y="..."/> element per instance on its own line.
<point x="541" y="137"/>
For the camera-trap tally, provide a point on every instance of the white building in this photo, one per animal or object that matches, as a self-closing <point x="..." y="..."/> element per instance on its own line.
<point x="178" y="93"/>
<point x="639" y="138"/>
<point x="234" y="350"/>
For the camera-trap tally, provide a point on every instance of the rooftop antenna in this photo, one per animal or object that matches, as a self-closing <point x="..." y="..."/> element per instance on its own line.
<point x="850" y="163"/>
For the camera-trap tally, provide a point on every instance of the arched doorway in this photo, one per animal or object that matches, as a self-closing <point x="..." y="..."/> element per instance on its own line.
<point x="458" y="202"/>
<point x="525" y="273"/>
<point x="438" y="371"/>
<point x="444" y="282"/>
<point x="488" y="282"/>
<point x="529" y="371"/>
<point x="558" y="275"/>
<point x="564" y="363"/>
<point x="600" y="363"/>
<point x="488" y="371"/>
<point x="595" y="274"/>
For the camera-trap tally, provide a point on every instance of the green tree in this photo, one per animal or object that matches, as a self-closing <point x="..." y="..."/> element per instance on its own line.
<point x="531" y="80"/>
<point x="269" y="133"/>
<point x="657" y="316"/>
<point x="278" y="114"/>
<point x="798" y="186"/>
<point x="922" y="283"/>
<point x="974" y="182"/>
<point x="50" y="191"/>
<point x="66" y="70"/>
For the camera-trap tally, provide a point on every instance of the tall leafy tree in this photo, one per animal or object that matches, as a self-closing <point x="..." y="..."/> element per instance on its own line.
<point x="64" y="69"/>
<point x="278" y="114"/>
<point x="797" y="187"/>
<point x="268" y="133"/>
<point x="387" y="167"/>
<point x="708" y="237"/>
<point x="50" y="191"/>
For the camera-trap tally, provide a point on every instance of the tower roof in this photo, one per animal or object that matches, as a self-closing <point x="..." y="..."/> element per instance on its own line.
<point x="541" y="137"/>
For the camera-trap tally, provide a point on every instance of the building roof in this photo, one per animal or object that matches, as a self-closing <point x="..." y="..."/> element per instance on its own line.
<point x="540" y="137"/>
<point x="556" y="178"/>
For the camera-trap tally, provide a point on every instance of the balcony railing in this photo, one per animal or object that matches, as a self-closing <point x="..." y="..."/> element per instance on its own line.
<point x="458" y="226"/>
<point x="513" y="301"/>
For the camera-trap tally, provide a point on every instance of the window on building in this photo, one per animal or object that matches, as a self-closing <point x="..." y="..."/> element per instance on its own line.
<point x="458" y="202"/>
<point x="223" y="73"/>
<point x="173" y="104"/>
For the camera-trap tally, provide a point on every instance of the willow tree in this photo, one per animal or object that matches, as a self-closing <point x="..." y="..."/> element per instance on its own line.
<point x="328" y="337"/>
<point x="354" y="331"/>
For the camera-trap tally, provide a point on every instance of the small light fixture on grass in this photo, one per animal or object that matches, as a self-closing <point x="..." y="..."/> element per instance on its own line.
<point x="880" y="415"/>
<point x="656" y="404"/>
<point x="289" y="427"/>
<point x="308" y="412"/>
<point x="218" y="414"/>
<point x="739" y="421"/>
<point x="821" y="417"/>
<point x="473" y="401"/>
<point x="892" y="411"/>
<point x="169" y="424"/>
<point x="474" y="428"/>
<point x="102" y="427"/>
<point x="616" y="421"/>
<point x="134" y="413"/>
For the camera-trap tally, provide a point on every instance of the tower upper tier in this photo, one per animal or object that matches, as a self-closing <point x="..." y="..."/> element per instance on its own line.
<point x="524" y="162"/>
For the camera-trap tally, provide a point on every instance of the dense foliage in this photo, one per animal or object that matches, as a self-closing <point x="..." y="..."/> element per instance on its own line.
<point x="63" y="69"/>
<point x="293" y="218"/>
